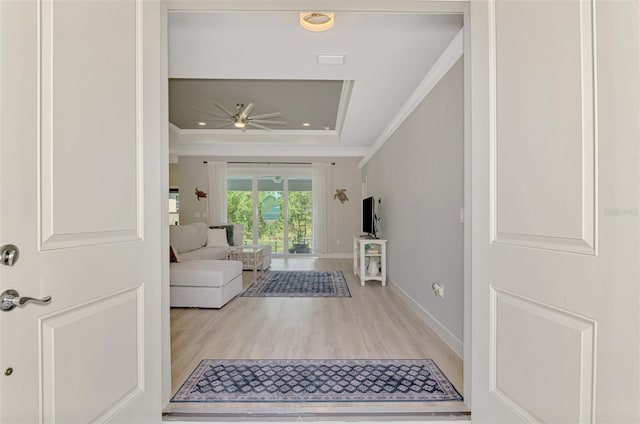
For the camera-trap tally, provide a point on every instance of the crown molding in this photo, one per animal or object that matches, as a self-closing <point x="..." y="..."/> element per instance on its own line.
<point x="345" y="98"/>
<point x="302" y="143"/>
<point x="258" y="136"/>
<point x="268" y="150"/>
<point x="447" y="59"/>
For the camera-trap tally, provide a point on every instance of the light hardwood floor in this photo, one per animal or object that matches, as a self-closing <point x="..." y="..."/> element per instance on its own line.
<point x="375" y="323"/>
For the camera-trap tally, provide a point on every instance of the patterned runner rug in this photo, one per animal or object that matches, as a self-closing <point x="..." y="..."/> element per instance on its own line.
<point x="333" y="380"/>
<point x="299" y="284"/>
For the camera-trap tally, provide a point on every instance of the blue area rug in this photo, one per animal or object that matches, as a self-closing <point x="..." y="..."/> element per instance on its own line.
<point x="333" y="380"/>
<point x="299" y="284"/>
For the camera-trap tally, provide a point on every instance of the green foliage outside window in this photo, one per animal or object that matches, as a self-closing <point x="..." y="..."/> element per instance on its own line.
<point x="240" y="211"/>
<point x="300" y="217"/>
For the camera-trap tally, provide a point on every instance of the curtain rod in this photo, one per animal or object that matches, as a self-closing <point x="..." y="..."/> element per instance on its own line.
<point x="270" y="163"/>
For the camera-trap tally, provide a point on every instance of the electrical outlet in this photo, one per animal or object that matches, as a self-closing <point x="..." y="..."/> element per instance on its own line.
<point x="337" y="241"/>
<point x="438" y="289"/>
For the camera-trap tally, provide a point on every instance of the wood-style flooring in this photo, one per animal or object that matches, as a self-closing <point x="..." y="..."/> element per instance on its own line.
<point x="375" y="323"/>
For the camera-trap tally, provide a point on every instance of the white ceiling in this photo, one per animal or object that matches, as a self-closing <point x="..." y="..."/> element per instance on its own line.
<point x="386" y="56"/>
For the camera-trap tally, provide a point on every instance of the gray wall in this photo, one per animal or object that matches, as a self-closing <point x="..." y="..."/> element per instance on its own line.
<point x="344" y="219"/>
<point x="418" y="174"/>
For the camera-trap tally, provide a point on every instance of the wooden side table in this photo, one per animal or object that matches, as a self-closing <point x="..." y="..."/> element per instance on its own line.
<point x="365" y="252"/>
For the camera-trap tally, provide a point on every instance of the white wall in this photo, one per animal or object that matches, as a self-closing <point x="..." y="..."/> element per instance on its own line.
<point x="418" y="174"/>
<point x="344" y="219"/>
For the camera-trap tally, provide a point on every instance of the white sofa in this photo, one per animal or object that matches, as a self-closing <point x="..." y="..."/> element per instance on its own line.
<point x="205" y="283"/>
<point x="190" y="242"/>
<point x="203" y="278"/>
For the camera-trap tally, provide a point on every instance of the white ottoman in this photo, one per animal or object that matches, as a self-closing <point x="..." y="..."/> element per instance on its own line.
<point x="205" y="283"/>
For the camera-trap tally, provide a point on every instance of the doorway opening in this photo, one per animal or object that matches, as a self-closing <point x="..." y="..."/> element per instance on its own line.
<point x="256" y="234"/>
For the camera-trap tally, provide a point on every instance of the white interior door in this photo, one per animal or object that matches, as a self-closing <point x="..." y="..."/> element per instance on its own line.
<point x="556" y="317"/>
<point x="80" y="197"/>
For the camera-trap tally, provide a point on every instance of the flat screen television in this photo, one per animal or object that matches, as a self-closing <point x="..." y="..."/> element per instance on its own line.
<point x="368" y="216"/>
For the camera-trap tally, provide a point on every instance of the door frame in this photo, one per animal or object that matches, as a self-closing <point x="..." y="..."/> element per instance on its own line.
<point x="460" y="7"/>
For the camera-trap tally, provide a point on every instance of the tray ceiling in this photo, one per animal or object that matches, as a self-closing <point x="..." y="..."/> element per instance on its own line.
<point x="320" y="97"/>
<point x="268" y="59"/>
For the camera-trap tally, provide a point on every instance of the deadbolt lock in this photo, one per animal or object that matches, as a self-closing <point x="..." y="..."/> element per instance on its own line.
<point x="9" y="254"/>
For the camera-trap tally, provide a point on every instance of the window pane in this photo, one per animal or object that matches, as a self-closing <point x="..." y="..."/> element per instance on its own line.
<point x="240" y="205"/>
<point x="300" y="222"/>
<point x="270" y="216"/>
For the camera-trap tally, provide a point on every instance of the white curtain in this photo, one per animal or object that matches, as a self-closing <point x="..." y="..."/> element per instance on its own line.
<point x="320" y="199"/>
<point x="217" y="196"/>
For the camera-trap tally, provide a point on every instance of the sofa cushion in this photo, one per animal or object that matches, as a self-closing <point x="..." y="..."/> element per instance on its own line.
<point x="229" y="229"/>
<point x="238" y="232"/>
<point x="204" y="273"/>
<point x="173" y="255"/>
<point x="217" y="237"/>
<point x="205" y="253"/>
<point x="185" y="238"/>
<point x="202" y="232"/>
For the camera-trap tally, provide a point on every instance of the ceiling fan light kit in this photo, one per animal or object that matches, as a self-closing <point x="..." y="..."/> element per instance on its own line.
<point x="242" y="119"/>
<point x="316" y="21"/>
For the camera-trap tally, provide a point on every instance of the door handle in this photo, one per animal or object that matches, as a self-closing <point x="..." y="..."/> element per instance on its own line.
<point x="9" y="299"/>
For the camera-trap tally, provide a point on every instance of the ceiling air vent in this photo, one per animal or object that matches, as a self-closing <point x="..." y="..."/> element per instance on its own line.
<point x="330" y="59"/>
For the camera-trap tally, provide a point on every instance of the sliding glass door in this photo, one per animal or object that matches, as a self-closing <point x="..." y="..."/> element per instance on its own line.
<point x="270" y="211"/>
<point x="240" y="204"/>
<point x="300" y="216"/>
<point x="275" y="209"/>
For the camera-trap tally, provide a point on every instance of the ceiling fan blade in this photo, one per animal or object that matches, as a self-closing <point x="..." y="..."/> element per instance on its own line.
<point x="254" y="125"/>
<point x="209" y="113"/>
<point x="224" y="125"/>
<point x="247" y="110"/>
<point x="267" y="115"/>
<point x="222" y="108"/>
<point x="262" y="121"/>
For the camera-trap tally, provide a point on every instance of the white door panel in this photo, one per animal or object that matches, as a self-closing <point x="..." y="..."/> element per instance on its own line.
<point x="543" y="145"/>
<point x="80" y="197"/>
<point x="90" y="73"/>
<point x="556" y="321"/>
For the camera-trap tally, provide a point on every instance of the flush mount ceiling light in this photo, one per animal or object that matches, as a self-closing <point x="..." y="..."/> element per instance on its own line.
<point x="316" y="21"/>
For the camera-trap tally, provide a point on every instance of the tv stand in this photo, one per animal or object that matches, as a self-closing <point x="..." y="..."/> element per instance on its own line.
<point x="370" y="259"/>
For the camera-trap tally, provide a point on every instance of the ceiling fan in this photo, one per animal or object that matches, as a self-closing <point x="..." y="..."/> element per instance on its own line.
<point x="242" y="119"/>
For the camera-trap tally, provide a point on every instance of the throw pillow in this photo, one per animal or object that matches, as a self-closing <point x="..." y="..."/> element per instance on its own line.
<point x="229" y="229"/>
<point x="173" y="255"/>
<point x="217" y="237"/>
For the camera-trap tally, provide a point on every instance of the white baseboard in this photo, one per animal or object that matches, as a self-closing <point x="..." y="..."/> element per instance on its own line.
<point x="443" y="332"/>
